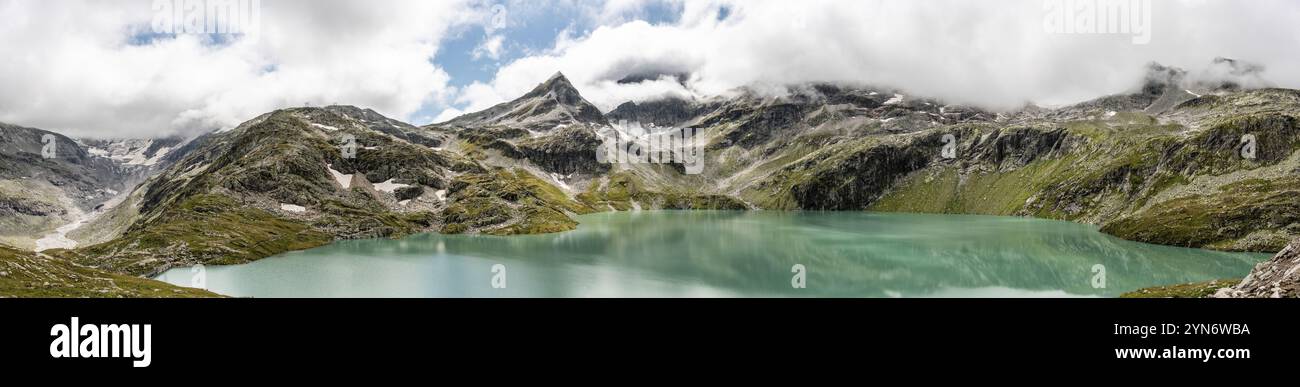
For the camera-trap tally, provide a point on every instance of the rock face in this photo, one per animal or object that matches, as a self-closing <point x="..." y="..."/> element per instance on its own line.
<point x="1277" y="278"/>
<point x="48" y="180"/>
<point x="565" y="151"/>
<point x="71" y="164"/>
<point x="668" y="112"/>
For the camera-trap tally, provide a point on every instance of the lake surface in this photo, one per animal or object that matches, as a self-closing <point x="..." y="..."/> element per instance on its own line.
<point x="736" y="254"/>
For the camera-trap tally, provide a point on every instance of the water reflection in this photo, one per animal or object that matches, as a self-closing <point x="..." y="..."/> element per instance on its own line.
<point x="738" y="254"/>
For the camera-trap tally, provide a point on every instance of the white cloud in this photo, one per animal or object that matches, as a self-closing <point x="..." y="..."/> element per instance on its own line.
<point x="447" y="115"/>
<point x="69" y="66"/>
<point x="994" y="54"/>
<point x="491" y="47"/>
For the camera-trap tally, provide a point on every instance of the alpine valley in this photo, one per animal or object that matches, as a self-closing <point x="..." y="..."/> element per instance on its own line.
<point x="1163" y="164"/>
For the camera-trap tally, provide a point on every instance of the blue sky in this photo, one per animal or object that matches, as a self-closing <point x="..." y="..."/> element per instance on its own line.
<point x="530" y="28"/>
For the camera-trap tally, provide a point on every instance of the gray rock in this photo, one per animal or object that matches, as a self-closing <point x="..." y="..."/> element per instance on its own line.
<point x="1276" y="278"/>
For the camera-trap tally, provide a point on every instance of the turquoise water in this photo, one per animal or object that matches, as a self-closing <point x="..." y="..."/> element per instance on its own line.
<point x="736" y="254"/>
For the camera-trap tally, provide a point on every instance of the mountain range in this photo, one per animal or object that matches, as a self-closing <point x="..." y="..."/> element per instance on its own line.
<point x="1174" y="162"/>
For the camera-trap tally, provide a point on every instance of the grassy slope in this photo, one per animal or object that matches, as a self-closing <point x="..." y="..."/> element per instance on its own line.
<point x="620" y="190"/>
<point x="1195" y="290"/>
<point x="1135" y="194"/>
<point x="209" y="229"/>
<point x="943" y="191"/>
<point x="508" y="202"/>
<point x="1222" y="219"/>
<point x="26" y="274"/>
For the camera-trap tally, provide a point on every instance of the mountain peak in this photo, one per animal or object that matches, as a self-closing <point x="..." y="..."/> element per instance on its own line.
<point x="552" y="103"/>
<point x="557" y="84"/>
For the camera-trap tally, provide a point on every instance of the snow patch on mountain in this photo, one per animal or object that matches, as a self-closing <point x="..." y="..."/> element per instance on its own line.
<point x="157" y="156"/>
<point x="59" y="238"/>
<point x="389" y="186"/>
<point x="342" y="179"/>
<point x="559" y="181"/>
<point x="132" y="152"/>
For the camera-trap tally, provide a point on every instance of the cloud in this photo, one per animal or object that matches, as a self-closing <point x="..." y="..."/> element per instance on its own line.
<point x="491" y="47"/>
<point x="993" y="54"/>
<point x="92" y="68"/>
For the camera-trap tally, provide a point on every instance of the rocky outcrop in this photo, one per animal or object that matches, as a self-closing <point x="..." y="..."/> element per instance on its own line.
<point x="1276" y="278"/>
<point x="566" y="151"/>
<point x="14" y="206"/>
<point x="859" y="179"/>
<point x="377" y="122"/>
<point x="667" y="112"/>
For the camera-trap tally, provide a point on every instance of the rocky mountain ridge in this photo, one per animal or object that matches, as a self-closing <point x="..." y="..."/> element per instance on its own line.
<point x="554" y="103"/>
<point x="1163" y="164"/>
